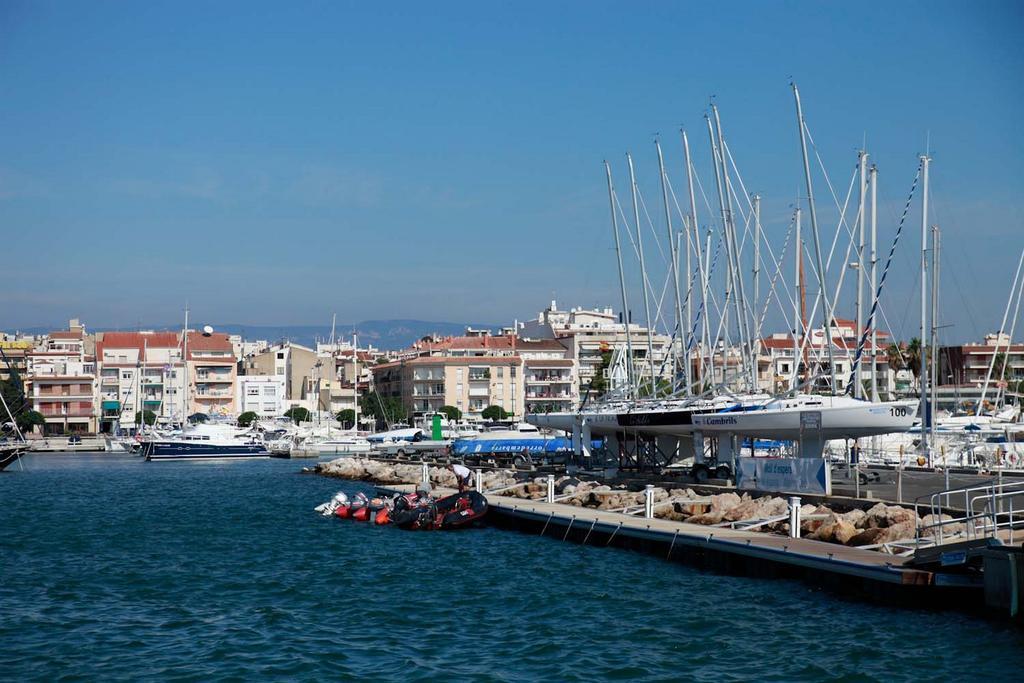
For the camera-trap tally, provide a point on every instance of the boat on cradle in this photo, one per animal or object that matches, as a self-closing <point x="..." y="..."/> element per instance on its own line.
<point x="830" y="417"/>
<point x="651" y="418"/>
<point x="206" y="442"/>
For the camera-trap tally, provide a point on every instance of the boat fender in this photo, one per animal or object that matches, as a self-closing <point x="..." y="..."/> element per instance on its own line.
<point x="383" y="516"/>
<point x="1012" y="458"/>
<point x="362" y="514"/>
<point x="343" y="511"/>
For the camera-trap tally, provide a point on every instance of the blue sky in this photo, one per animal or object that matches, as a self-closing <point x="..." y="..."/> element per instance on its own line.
<point x="279" y="162"/>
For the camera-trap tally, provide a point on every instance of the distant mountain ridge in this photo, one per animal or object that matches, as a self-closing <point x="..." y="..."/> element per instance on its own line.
<point x="383" y="334"/>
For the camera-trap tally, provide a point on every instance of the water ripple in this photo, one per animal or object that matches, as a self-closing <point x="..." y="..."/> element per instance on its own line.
<point x="117" y="569"/>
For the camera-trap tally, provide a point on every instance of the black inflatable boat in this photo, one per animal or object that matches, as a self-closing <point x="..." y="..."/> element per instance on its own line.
<point x="451" y="512"/>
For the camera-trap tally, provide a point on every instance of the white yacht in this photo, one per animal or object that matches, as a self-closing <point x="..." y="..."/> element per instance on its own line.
<point x="206" y="442"/>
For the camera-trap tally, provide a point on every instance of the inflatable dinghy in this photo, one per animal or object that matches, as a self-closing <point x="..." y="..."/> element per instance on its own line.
<point x="451" y="512"/>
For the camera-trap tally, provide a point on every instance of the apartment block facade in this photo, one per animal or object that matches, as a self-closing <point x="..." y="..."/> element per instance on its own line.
<point x="60" y="382"/>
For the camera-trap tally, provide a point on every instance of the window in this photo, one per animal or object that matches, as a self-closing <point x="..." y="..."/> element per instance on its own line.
<point x="458" y="374"/>
<point x="126" y="374"/>
<point x="270" y="390"/>
<point x="252" y="391"/>
<point x="280" y="371"/>
<point x="280" y="355"/>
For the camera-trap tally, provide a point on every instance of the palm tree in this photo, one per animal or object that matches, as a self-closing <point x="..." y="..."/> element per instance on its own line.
<point x="999" y="366"/>
<point x="912" y="356"/>
<point x="894" y="356"/>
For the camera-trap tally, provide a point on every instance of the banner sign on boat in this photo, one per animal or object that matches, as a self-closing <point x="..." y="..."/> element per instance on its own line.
<point x="792" y="475"/>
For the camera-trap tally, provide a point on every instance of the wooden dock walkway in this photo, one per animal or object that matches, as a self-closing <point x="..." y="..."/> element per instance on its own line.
<point x="674" y="540"/>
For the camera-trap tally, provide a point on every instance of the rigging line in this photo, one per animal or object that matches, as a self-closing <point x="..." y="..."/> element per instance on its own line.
<point x="881" y="284"/>
<point x="746" y="227"/>
<point x="650" y="224"/>
<point x="636" y="249"/>
<point x="775" y="276"/>
<point x="700" y="309"/>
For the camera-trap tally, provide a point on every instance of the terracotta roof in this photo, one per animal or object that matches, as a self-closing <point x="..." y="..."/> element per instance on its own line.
<point x="218" y="341"/>
<point x="138" y="340"/>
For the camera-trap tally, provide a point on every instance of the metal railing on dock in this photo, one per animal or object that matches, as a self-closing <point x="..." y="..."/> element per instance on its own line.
<point x="989" y="511"/>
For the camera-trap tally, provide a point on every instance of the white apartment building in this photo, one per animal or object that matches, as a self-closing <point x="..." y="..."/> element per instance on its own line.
<point x="140" y="371"/>
<point x="60" y="382"/>
<point x="261" y="394"/>
<point x="590" y="333"/>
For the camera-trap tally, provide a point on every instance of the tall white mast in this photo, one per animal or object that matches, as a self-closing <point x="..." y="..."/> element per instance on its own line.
<point x="728" y="293"/>
<point x="874" y="274"/>
<point x="184" y="371"/>
<point x="858" y="384"/>
<point x="756" y="340"/>
<point x="935" y="329"/>
<point x="817" y="242"/>
<point x="1002" y="327"/>
<point x="798" y="331"/>
<point x="674" y="252"/>
<point x="355" y="381"/>
<point x="643" y="276"/>
<point x="702" y="271"/>
<point x="622" y="280"/>
<point x="923" y="363"/>
<point x="733" y="253"/>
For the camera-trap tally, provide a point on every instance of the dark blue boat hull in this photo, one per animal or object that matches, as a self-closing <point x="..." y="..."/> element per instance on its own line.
<point x="165" y="450"/>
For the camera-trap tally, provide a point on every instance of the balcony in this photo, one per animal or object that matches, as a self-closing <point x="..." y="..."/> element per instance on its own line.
<point x="479" y="375"/>
<point x="479" y="391"/>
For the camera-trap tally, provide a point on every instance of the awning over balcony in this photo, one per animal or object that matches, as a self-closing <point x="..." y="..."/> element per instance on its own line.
<point x="152" y="401"/>
<point x="111" y="405"/>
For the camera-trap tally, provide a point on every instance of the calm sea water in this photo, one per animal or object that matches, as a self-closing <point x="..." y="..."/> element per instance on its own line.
<point x="114" y="568"/>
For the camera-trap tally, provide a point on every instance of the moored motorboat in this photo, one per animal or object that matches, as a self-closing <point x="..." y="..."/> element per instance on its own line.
<point x="206" y="442"/>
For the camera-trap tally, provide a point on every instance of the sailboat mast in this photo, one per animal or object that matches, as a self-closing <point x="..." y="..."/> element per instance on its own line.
<point x="184" y="371"/>
<point x="643" y="275"/>
<point x="702" y="271"/>
<point x="733" y="252"/>
<point x="858" y="384"/>
<point x="935" y="329"/>
<point x="874" y="274"/>
<point x="798" y="303"/>
<point x="756" y="340"/>
<point x="674" y="254"/>
<point x="355" y="381"/>
<point x="923" y="363"/>
<point x="817" y="242"/>
<point x="622" y="280"/>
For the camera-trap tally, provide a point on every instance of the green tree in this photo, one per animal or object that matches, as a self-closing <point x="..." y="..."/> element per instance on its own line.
<point x="148" y="415"/>
<point x="14" y="395"/>
<point x="297" y="414"/>
<point x="912" y="357"/>
<point x="599" y="383"/>
<point x="385" y="410"/>
<point x="999" y="364"/>
<point x="28" y="420"/>
<point x="247" y="418"/>
<point x="494" y="413"/>
<point x="451" y="412"/>
<point x="347" y="418"/>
